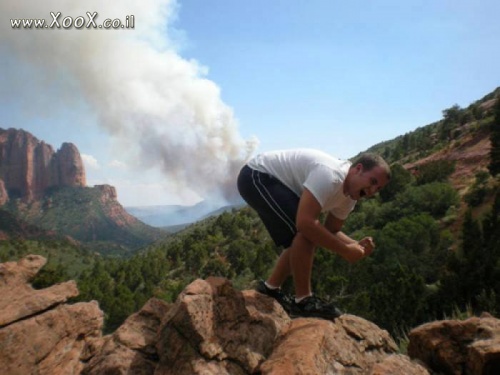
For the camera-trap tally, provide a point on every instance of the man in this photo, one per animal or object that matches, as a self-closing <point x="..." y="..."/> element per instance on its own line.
<point x="289" y="190"/>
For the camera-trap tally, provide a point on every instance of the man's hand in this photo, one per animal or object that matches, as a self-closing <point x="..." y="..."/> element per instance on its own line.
<point x="368" y="245"/>
<point x="354" y="252"/>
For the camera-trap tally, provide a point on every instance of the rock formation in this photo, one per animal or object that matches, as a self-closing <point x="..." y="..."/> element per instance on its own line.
<point x="28" y="167"/>
<point x="456" y="347"/>
<point x="31" y="174"/>
<point x="39" y="334"/>
<point x="3" y="193"/>
<point x="132" y="348"/>
<point x="214" y="329"/>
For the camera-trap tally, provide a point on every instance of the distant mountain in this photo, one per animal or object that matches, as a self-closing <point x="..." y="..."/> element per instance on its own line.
<point x="46" y="189"/>
<point x="175" y="217"/>
<point x="28" y="166"/>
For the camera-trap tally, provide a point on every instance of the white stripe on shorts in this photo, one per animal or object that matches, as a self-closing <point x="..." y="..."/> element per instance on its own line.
<point x="272" y="203"/>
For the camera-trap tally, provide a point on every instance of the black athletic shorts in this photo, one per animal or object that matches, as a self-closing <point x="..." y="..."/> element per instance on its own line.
<point x="275" y="203"/>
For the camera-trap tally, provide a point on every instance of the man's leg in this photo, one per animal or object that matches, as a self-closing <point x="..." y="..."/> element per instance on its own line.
<point x="297" y="261"/>
<point x="301" y="263"/>
<point x="281" y="270"/>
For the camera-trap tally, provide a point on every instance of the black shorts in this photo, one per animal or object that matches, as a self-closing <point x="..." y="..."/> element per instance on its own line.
<point x="274" y="202"/>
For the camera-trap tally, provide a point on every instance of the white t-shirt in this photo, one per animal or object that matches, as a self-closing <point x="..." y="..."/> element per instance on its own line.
<point x="322" y="174"/>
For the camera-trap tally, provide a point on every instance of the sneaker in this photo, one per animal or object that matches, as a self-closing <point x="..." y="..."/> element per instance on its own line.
<point x="314" y="307"/>
<point x="283" y="299"/>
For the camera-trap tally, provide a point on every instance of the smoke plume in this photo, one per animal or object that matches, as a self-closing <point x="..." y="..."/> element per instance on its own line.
<point x="160" y="107"/>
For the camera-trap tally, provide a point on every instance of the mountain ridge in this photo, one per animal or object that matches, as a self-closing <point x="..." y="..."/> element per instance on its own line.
<point x="177" y="216"/>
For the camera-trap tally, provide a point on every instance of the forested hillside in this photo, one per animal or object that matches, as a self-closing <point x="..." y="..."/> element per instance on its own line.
<point x="438" y="245"/>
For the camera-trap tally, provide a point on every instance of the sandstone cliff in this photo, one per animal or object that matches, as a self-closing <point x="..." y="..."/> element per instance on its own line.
<point x="46" y="189"/>
<point x="28" y="167"/>
<point x="214" y="329"/>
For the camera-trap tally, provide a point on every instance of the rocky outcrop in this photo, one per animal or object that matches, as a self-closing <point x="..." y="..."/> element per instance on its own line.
<point x="39" y="333"/>
<point x="132" y="348"/>
<point x="31" y="177"/>
<point x="3" y="193"/>
<point x="457" y="347"/>
<point x="214" y="329"/>
<point x="69" y="166"/>
<point x="28" y="167"/>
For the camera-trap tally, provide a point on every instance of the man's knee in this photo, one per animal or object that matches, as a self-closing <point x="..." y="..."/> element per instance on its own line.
<point x="303" y="243"/>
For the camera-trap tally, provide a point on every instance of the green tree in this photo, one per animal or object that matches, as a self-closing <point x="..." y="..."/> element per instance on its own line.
<point x="435" y="171"/>
<point x="400" y="178"/>
<point x="494" y="166"/>
<point x="122" y="306"/>
<point x="434" y="198"/>
<point x="474" y="256"/>
<point x="50" y="275"/>
<point x="398" y="299"/>
<point x="451" y="118"/>
<point x="479" y="189"/>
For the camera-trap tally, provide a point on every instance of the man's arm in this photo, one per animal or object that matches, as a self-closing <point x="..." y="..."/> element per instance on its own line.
<point x="334" y="225"/>
<point x="309" y="225"/>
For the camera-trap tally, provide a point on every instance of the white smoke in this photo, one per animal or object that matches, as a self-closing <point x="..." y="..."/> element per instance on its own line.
<point x="160" y="107"/>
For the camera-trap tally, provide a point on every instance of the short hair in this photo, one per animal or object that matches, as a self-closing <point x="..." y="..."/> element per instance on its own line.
<point x="370" y="161"/>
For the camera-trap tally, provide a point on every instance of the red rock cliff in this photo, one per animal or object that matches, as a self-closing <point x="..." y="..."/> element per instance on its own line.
<point x="28" y="166"/>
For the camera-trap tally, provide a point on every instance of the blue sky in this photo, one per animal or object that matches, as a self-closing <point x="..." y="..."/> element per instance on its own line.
<point x="166" y="112"/>
<point x="343" y="75"/>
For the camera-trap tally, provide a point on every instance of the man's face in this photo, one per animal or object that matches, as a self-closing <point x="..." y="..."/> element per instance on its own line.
<point x="362" y="183"/>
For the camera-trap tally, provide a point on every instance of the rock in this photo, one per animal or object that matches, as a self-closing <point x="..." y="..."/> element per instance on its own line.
<point x="33" y="176"/>
<point x="108" y="192"/>
<point x="70" y="169"/>
<point x="28" y="167"/>
<point x="398" y="364"/>
<point x="214" y="329"/>
<point x="39" y="334"/>
<point x="19" y="299"/>
<point x="51" y="342"/>
<point x="4" y="196"/>
<point x="132" y="348"/>
<point x="18" y="274"/>
<point x="470" y="346"/>
<point x="348" y="345"/>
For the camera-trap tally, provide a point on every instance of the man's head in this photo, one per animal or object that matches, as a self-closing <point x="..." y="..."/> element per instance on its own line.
<point x="367" y="175"/>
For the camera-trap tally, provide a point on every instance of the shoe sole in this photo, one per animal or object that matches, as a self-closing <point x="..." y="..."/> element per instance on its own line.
<point x="283" y="305"/>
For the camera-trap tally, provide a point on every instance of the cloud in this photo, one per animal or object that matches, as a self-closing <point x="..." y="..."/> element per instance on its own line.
<point x="90" y="162"/>
<point x="159" y="108"/>
<point x="117" y="164"/>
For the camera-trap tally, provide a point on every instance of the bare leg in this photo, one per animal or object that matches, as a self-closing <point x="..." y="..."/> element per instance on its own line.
<point x="297" y="260"/>
<point x="282" y="269"/>
<point x="301" y="263"/>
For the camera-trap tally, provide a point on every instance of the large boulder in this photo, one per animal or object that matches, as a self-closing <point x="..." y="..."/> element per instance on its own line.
<point x="131" y="349"/>
<point x="349" y="345"/>
<point x="456" y="347"/>
<point x="19" y="299"/>
<point x="215" y="329"/>
<point x="39" y="334"/>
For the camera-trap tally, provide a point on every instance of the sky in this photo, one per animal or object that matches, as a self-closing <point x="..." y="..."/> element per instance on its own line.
<point x="169" y="110"/>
